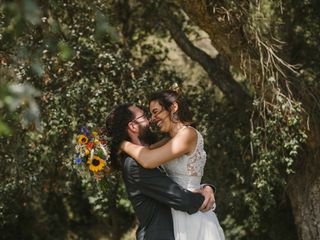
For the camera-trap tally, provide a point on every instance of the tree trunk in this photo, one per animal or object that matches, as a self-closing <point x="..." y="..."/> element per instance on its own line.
<point x="304" y="194"/>
<point x="304" y="186"/>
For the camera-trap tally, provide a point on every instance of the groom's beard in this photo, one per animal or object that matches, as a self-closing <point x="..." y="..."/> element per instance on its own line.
<point x="146" y="136"/>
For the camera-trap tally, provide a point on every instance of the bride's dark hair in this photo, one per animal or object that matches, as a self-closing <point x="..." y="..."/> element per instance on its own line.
<point x="116" y="127"/>
<point x="167" y="97"/>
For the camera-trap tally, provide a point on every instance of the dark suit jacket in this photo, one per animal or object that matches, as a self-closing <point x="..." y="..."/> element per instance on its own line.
<point x="152" y="193"/>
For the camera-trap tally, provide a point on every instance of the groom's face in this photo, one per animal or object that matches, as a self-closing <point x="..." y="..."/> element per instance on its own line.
<point x="142" y="122"/>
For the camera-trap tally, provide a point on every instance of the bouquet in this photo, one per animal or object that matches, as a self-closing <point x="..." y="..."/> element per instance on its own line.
<point x="92" y="152"/>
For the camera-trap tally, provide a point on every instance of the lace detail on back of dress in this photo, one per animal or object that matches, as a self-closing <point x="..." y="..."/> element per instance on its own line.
<point x="189" y="165"/>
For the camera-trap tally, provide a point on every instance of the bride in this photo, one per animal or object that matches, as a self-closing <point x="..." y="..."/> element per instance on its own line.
<point x="183" y="157"/>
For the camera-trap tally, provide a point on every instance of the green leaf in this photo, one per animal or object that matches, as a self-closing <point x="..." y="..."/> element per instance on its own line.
<point x="4" y="129"/>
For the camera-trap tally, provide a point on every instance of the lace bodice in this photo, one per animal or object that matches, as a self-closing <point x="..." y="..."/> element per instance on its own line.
<point x="187" y="170"/>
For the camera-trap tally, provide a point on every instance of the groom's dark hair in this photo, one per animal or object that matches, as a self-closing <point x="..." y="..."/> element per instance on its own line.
<point x="116" y="126"/>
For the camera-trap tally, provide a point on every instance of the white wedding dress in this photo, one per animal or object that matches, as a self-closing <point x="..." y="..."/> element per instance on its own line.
<point x="187" y="171"/>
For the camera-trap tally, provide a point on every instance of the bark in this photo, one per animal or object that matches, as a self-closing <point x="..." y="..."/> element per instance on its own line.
<point x="304" y="194"/>
<point x="224" y="25"/>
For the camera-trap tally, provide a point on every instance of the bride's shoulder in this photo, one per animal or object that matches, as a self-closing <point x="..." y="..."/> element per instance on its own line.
<point x="189" y="133"/>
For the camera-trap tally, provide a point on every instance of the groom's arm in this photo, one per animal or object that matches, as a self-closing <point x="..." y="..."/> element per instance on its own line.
<point x="157" y="185"/>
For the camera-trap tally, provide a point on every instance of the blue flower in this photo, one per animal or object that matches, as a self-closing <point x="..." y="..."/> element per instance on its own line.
<point x="78" y="160"/>
<point x="85" y="131"/>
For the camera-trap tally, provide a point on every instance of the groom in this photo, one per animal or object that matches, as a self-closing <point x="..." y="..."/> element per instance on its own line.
<point x="151" y="192"/>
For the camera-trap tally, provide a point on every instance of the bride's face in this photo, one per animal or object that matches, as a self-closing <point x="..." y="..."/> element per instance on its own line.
<point x="160" y="116"/>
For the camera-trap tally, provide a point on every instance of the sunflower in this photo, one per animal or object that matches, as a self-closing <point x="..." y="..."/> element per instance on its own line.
<point x="83" y="139"/>
<point x="96" y="163"/>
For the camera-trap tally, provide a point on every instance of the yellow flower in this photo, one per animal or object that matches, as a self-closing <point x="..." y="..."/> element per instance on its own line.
<point x="94" y="134"/>
<point x="83" y="139"/>
<point x="86" y="152"/>
<point x="96" y="164"/>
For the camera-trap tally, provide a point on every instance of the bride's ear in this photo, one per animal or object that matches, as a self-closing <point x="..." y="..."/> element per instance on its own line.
<point x="174" y="107"/>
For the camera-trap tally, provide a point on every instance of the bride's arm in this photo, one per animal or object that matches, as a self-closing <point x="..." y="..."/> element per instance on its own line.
<point x="159" y="143"/>
<point x="180" y="144"/>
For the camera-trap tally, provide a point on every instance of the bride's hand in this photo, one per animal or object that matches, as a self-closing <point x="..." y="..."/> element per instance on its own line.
<point x="209" y="200"/>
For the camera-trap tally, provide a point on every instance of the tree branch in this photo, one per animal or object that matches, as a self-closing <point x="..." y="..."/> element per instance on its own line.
<point x="217" y="68"/>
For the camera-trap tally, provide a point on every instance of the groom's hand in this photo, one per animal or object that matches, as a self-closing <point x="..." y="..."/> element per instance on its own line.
<point x="209" y="199"/>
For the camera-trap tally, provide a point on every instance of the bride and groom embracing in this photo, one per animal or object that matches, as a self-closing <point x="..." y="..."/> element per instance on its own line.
<point x="163" y="179"/>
